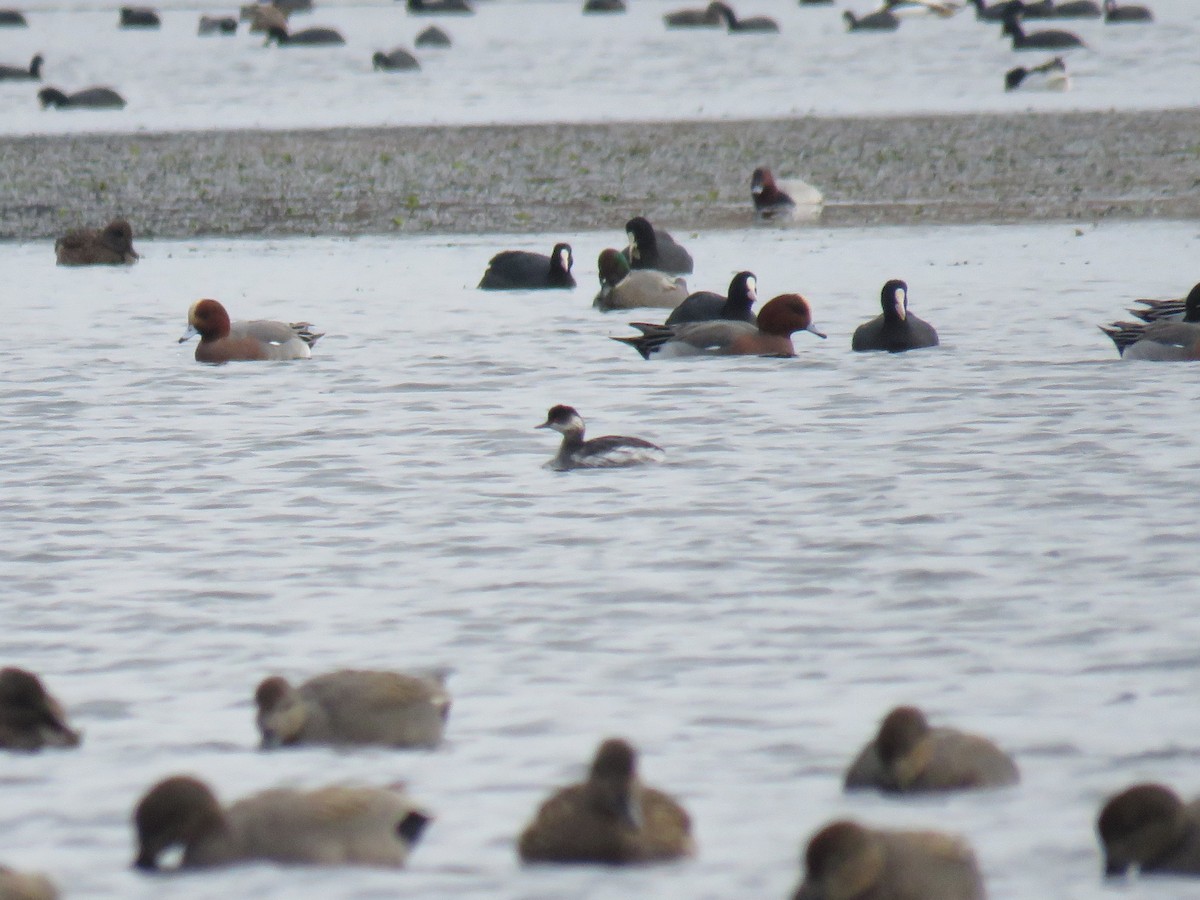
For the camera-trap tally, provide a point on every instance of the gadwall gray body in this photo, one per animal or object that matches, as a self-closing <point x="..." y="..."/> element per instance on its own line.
<point x="610" y="818"/>
<point x="908" y="755"/>
<point x="1149" y="827"/>
<point x="30" y="718"/>
<point x="25" y="886"/>
<point x="330" y="826"/>
<point x="111" y="245"/>
<point x="354" y="707"/>
<point x="621" y="288"/>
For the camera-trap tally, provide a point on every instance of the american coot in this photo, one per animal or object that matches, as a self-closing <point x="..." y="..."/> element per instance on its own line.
<point x="309" y="37"/>
<point x="780" y="318"/>
<point x="653" y="248"/>
<point x="217" y="25"/>
<point x="109" y="246"/>
<point x="706" y="306"/>
<point x="1049" y="76"/>
<point x="621" y="288"/>
<point x="1075" y="9"/>
<point x="522" y="270"/>
<point x="439" y="7"/>
<point x="880" y="20"/>
<point x="1149" y="828"/>
<point x="1037" y="40"/>
<point x="608" y="452"/>
<point x="222" y="341"/>
<point x="88" y="98"/>
<point x="895" y="329"/>
<point x="986" y="13"/>
<point x="709" y="17"/>
<point x="791" y="199"/>
<point x="432" y="37"/>
<point x="15" y="73"/>
<point x="395" y="60"/>
<point x="12" y="18"/>
<point x="761" y="24"/>
<point x="139" y="17"/>
<point x="845" y="859"/>
<point x="1129" y="13"/>
<point x="604" y="6"/>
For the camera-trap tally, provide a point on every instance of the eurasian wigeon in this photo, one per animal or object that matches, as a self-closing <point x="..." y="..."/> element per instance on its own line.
<point x="139" y="17"/>
<point x="1113" y="13"/>
<point x="654" y="248"/>
<point x="907" y="755"/>
<point x="880" y="20"/>
<point x="709" y="17"/>
<point x="847" y="861"/>
<point x="12" y="18"/>
<point x="111" y="245"/>
<point x="779" y="319"/>
<point x="791" y="199"/>
<point x="440" y="7"/>
<point x="1036" y="40"/>
<point x="708" y="306"/>
<point x="1049" y="76"/>
<point x="1133" y="341"/>
<point x="350" y="707"/>
<point x="88" y="98"/>
<point x="754" y="24"/>
<point x="308" y="37"/>
<point x="395" y="60"/>
<point x="608" y="452"/>
<point x="328" y="827"/>
<point x="222" y="341"/>
<point x="512" y="270"/>
<point x="16" y="73"/>
<point x="25" y="886"/>
<point x="895" y="329"/>
<point x="611" y="818"/>
<point x="621" y="288"/>
<point x="30" y="718"/>
<point x="217" y="25"/>
<point x="1149" y="828"/>
<point x="432" y="37"/>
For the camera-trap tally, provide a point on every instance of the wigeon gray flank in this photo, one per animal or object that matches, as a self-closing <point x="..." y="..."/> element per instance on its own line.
<point x="222" y="341"/>
<point x="1169" y="330"/>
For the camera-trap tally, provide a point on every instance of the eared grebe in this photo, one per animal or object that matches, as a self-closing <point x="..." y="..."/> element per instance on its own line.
<point x="611" y="451"/>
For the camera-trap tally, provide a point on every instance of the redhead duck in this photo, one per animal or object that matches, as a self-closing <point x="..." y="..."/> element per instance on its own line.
<point x="654" y="248"/>
<point x="440" y="7"/>
<point x="110" y="246"/>
<point x="331" y="826"/>
<point x="608" y="452"/>
<point x="139" y="17"/>
<point x="16" y="73"/>
<point x="880" y="20"/>
<point x="760" y="24"/>
<point x="604" y="6"/>
<point x="895" y="329"/>
<point x="309" y="37"/>
<point x="1049" y="76"/>
<point x="88" y="98"/>
<point x="1148" y="827"/>
<point x="708" y="306"/>
<point x="907" y="755"/>
<point x="1133" y="340"/>
<point x="1037" y="40"/>
<point x="25" y="886"/>
<point x="217" y="25"/>
<point x="432" y="37"/>
<point x="12" y="18"/>
<point x="611" y="818"/>
<point x="621" y="288"/>
<point x="353" y="707"/>
<point x="514" y="270"/>
<point x="395" y="60"/>
<point x="1128" y="13"/>
<point x="793" y="199"/>
<point x="31" y="718"/>
<point x="709" y="17"/>
<point x="779" y="319"/>
<point x="222" y="341"/>
<point x="846" y="860"/>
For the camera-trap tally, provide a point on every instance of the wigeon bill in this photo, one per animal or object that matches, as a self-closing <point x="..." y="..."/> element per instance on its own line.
<point x="222" y="341"/>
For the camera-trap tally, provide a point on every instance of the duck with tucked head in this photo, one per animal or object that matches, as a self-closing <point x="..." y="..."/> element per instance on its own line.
<point x="514" y="270"/>
<point x="895" y="329"/>
<point x="222" y="341"/>
<point x="1149" y="828"/>
<point x="327" y="827"/>
<point x="621" y="288"/>
<point x="88" y="98"/>
<point x="847" y="861"/>
<point x="709" y="306"/>
<point x="654" y="248"/>
<point x="111" y="245"/>
<point x="1153" y="338"/>
<point x="611" y="818"/>
<point x="779" y="319"/>
<point x="792" y="199"/>
<point x="16" y="73"/>
<point x="31" y="718"/>
<point x="608" y="452"/>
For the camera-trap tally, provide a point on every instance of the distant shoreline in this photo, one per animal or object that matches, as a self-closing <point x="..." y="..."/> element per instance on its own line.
<point x="951" y="169"/>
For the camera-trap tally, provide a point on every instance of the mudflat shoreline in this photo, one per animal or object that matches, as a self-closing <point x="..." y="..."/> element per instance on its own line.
<point x="574" y="177"/>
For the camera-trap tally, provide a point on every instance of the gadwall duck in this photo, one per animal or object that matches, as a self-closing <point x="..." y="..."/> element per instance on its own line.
<point x="621" y="288"/>
<point x="222" y="341"/>
<point x="895" y="329"/>
<point x="1148" y="827"/>
<point x="513" y="270"/>
<point x="610" y="451"/>
<point x="31" y="718"/>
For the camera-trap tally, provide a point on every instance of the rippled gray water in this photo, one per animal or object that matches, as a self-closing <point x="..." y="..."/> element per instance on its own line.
<point x="999" y="529"/>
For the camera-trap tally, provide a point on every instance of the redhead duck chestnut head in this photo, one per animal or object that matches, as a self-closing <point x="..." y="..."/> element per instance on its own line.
<point x="16" y="73"/>
<point x="111" y="245"/>
<point x="223" y="341"/>
<point x="791" y="199"/>
<point x="895" y="329"/>
<point x="330" y="826"/>
<point x="353" y="707"/>
<point x="707" y="306"/>
<point x="25" y="886"/>
<point x="30" y="718"/>
<point x="1148" y="827"/>
<point x="1135" y="340"/>
<point x="846" y="860"/>
<point x="514" y="270"/>
<point x="88" y="98"/>
<point x="779" y="319"/>
<point x="653" y="248"/>
<point x="611" y="818"/>
<point x="610" y="451"/>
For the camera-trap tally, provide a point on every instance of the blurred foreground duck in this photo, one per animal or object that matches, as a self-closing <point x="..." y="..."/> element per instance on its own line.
<point x="907" y="755"/>
<point x="353" y="707"/>
<point x="654" y="248"/>
<point x="327" y="827"/>
<point x="111" y="245"/>
<point x="1135" y="340"/>
<point x="31" y="718"/>
<point x="895" y="329"/>
<point x="848" y="861"/>
<point x="622" y="288"/>
<point x="16" y="73"/>
<point x="25" y="886"/>
<point x="223" y="341"/>
<point x="88" y="98"/>
<point x="608" y="452"/>
<point x="610" y="818"/>
<point x="514" y="270"/>
<point x="1148" y="828"/>
<point x="1049" y="76"/>
<point x="790" y="199"/>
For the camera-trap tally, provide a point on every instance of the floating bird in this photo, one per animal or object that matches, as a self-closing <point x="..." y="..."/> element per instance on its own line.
<point x="111" y="245"/>
<point x="895" y="329"/>
<point x="1049" y="76"/>
<point x="222" y="341"/>
<point x="791" y="199"/>
<point x="512" y="270"/>
<point x="608" y="452"/>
